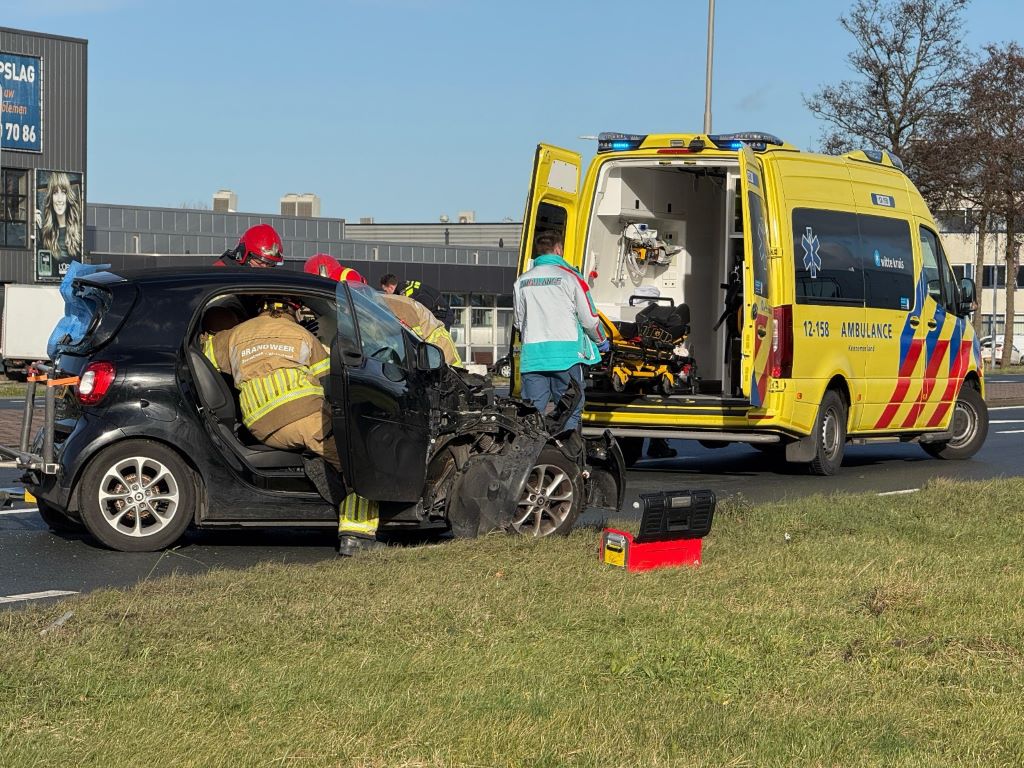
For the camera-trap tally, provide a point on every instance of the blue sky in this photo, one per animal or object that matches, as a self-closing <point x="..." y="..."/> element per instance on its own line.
<point x="407" y="109"/>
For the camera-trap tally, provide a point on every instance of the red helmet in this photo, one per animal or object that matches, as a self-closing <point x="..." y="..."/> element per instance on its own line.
<point x="260" y="246"/>
<point x="326" y="265"/>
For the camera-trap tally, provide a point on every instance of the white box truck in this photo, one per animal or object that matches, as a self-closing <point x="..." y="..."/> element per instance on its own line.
<point x="29" y="316"/>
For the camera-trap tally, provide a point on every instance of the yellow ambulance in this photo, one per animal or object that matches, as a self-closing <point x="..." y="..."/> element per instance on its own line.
<point x="821" y="307"/>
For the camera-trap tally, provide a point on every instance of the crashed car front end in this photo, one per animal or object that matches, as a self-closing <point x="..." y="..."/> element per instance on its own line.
<point x="498" y="464"/>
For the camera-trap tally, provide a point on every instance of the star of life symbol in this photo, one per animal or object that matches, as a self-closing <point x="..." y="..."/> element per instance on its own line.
<point x="812" y="261"/>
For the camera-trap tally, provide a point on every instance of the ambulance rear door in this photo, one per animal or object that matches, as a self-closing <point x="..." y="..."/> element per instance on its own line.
<point x="756" y="319"/>
<point x="553" y="204"/>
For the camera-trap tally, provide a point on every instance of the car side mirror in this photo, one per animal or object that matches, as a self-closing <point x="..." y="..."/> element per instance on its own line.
<point x="968" y="297"/>
<point x="429" y="357"/>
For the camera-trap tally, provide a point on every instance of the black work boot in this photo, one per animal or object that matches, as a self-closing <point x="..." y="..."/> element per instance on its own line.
<point x="349" y="545"/>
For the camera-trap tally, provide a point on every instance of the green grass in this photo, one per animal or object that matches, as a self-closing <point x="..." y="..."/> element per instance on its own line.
<point x="887" y="631"/>
<point x="12" y="389"/>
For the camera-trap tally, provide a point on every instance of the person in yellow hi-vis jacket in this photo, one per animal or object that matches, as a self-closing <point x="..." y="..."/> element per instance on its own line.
<point x="276" y="365"/>
<point x="421" y="321"/>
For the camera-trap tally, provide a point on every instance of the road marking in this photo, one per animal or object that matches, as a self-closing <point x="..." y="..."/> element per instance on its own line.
<point x="13" y="464"/>
<point x="1006" y="421"/>
<point x="18" y="511"/>
<point x="37" y="595"/>
<point x="898" y="493"/>
<point x="1010" y="431"/>
<point x="1005" y="408"/>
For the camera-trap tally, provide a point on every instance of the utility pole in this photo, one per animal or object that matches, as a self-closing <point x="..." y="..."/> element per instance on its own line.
<point x="711" y="56"/>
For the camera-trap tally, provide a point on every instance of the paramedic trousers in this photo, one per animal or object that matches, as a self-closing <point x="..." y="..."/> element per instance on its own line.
<point x="543" y="387"/>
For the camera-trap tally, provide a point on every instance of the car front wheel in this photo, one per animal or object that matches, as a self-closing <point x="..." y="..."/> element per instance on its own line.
<point x="552" y="497"/>
<point x="138" y="496"/>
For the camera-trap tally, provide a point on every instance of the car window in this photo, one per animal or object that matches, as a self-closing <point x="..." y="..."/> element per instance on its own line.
<point x="381" y="335"/>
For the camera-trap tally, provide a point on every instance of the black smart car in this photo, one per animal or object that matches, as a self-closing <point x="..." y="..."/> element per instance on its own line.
<point x="150" y="441"/>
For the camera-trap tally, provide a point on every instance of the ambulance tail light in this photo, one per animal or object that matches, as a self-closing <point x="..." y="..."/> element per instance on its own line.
<point x="95" y="381"/>
<point x="780" y="356"/>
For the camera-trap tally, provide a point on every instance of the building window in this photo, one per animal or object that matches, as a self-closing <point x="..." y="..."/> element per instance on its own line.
<point x="14" y="209"/>
<point x="986" y="277"/>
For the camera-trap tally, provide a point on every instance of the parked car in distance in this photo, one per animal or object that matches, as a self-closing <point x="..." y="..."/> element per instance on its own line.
<point x="502" y="366"/>
<point x="986" y="350"/>
<point x="150" y="442"/>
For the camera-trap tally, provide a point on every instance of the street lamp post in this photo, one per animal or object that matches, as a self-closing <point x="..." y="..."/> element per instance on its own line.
<point x="711" y="55"/>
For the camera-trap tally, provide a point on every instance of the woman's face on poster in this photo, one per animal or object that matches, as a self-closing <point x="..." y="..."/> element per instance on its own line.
<point x="60" y="201"/>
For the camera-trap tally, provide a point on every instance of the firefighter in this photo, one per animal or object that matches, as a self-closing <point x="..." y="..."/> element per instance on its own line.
<point x="432" y="299"/>
<point x="277" y="367"/>
<point x="421" y="321"/>
<point x="259" y="247"/>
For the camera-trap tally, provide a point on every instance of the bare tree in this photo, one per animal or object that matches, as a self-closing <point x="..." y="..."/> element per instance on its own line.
<point x="909" y="61"/>
<point x="995" y="107"/>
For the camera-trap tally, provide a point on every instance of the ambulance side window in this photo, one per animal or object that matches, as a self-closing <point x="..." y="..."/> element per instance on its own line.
<point x="941" y="286"/>
<point x="760" y="245"/>
<point x="826" y="247"/>
<point x="888" y="254"/>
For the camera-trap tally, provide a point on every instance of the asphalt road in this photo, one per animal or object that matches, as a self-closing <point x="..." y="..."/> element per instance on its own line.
<point x="37" y="562"/>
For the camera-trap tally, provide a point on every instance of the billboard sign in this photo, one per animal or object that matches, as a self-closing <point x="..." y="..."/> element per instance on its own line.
<point x="21" y="121"/>
<point x="59" y="222"/>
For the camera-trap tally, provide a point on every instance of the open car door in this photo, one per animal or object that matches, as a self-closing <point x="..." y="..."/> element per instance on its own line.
<point x="379" y="406"/>
<point x="756" y="318"/>
<point x="552" y="204"/>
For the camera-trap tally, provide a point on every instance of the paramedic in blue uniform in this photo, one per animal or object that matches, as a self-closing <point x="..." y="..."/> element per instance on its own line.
<point x="559" y="326"/>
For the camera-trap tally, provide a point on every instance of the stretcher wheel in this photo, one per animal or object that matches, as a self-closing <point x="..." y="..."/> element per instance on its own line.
<point x="668" y="384"/>
<point x="618" y="383"/>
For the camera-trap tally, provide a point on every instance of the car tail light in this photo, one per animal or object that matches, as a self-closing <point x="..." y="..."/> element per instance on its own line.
<point x="95" y="381"/>
<point x="780" y="356"/>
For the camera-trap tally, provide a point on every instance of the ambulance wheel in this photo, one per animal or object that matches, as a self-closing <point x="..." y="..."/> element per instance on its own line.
<point x="552" y="496"/>
<point x="632" y="448"/>
<point x="829" y="435"/>
<point x="138" y="496"/>
<point x="969" y="426"/>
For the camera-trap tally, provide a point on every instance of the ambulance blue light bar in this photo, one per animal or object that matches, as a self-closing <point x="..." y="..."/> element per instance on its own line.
<point x="608" y="141"/>
<point x="756" y="140"/>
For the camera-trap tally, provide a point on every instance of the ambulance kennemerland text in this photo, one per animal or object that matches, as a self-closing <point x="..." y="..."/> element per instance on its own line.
<point x="819" y="305"/>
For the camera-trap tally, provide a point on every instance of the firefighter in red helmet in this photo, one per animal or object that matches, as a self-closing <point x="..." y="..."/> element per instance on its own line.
<point x="260" y="246"/>
<point x="325" y="265"/>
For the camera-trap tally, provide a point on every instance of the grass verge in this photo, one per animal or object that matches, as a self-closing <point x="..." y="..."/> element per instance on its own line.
<point x="12" y="389"/>
<point x="884" y="631"/>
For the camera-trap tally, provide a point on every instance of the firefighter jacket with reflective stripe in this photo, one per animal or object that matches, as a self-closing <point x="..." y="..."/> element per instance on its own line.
<point x="276" y="365"/>
<point x="421" y="321"/>
<point x="556" y="317"/>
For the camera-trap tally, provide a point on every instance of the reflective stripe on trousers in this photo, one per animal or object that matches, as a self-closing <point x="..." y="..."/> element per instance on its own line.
<point x="358" y="516"/>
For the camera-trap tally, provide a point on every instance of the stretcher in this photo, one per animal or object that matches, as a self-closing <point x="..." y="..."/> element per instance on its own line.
<point x="650" y="352"/>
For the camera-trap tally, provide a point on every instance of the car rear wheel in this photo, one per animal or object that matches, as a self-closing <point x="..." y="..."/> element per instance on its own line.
<point x="57" y="520"/>
<point x="552" y="497"/>
<point x="505" y="370"/>
<point x="969" y="426"/>
<point x="138" y="496"/>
